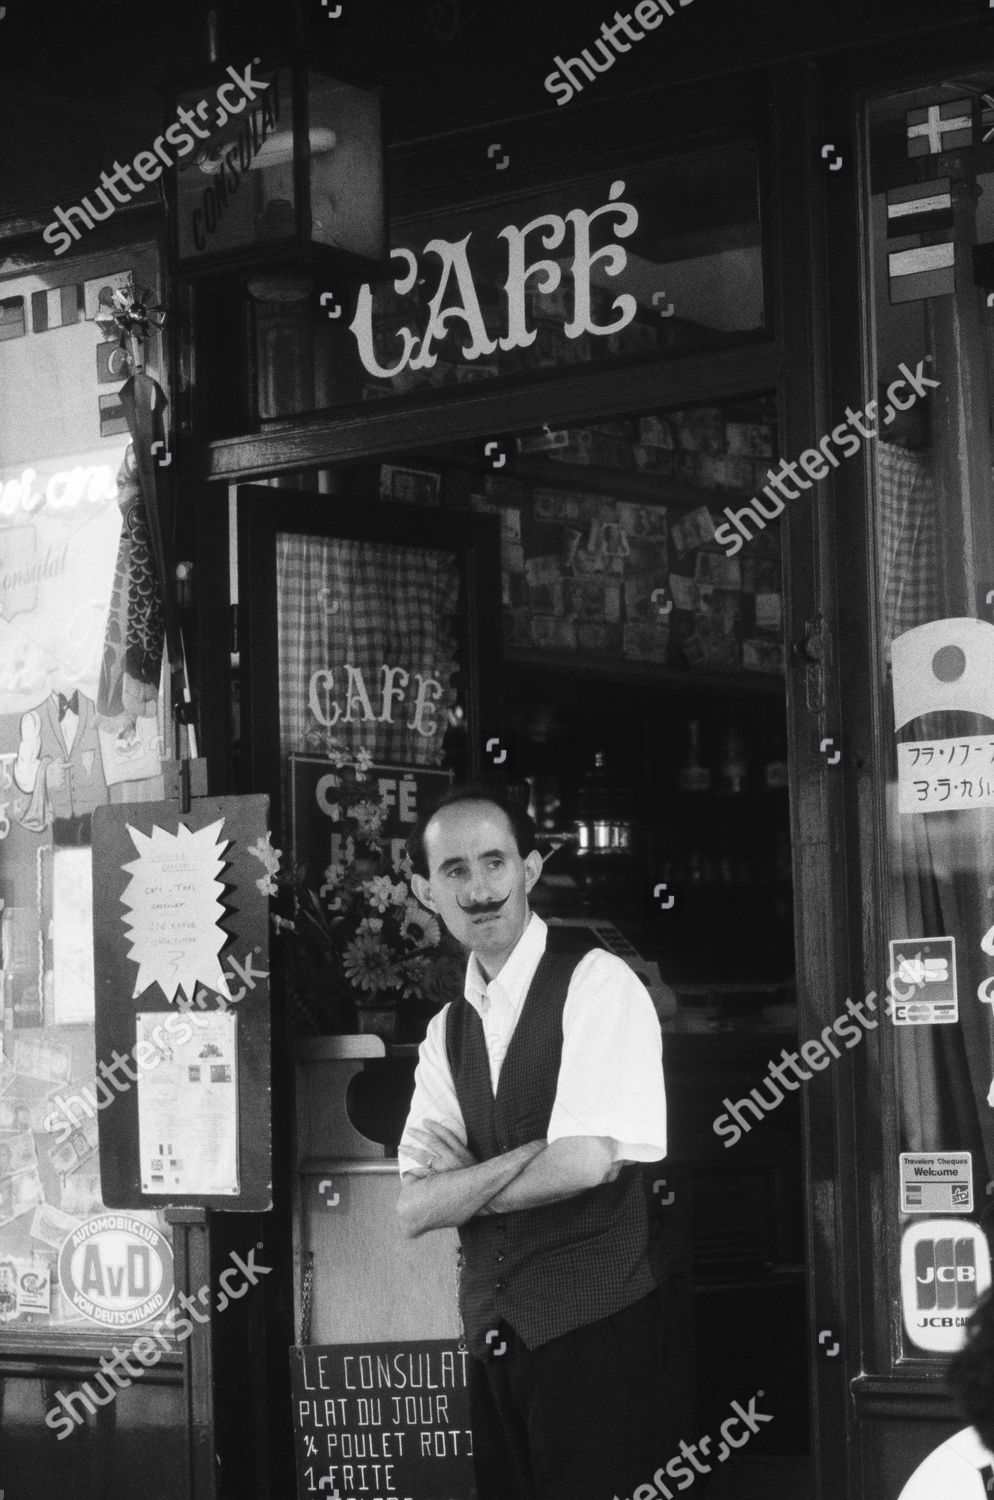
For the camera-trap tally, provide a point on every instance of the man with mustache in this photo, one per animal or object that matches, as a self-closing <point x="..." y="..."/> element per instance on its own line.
<point x="535" y="1096"/>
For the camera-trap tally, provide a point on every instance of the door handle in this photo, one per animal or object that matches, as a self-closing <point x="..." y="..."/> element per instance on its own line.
<point x="810" y="646"/>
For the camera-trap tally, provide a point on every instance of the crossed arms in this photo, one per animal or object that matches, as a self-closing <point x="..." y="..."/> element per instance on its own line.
<point x="458" y="1186"/>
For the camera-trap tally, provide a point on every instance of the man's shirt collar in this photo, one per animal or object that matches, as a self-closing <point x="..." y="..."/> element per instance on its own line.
<point x="511" y="984"/>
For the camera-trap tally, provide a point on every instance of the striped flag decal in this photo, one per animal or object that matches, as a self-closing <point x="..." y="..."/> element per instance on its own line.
<point x="12" y="324"/>
<point x="928" y="271"/>
<point x="55" y="309"/>
<point x="112" y="418"/>
<point x="919" y="208"/>
<point x="940" y="127"/>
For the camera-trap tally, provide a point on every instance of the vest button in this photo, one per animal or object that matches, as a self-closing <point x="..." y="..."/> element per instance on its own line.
<point x="499" y="1256"/>
<point x="499" y="1286"/>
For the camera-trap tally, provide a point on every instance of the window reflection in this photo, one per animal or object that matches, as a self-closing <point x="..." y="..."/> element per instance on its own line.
<point x="81" y="725"/>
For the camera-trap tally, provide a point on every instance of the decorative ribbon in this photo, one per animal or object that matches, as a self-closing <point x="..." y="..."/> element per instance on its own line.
<point x="141" y="615"/>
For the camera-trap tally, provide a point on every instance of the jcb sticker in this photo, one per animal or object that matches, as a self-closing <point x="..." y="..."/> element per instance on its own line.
<point x="945" y="1269"/>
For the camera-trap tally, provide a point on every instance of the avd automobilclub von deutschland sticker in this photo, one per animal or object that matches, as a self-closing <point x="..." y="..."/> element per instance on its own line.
<point x="117" y="1269"/>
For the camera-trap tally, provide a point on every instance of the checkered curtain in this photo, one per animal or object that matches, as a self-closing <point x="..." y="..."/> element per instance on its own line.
<point x="365" y="604"/>
<point x="907" y="528"/>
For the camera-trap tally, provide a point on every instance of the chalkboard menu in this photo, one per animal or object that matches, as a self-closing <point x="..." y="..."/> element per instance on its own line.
<point x="383" y="1421"/>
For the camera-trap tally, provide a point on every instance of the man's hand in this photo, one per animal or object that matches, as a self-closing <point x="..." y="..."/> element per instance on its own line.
<point x="439" y="1148"/>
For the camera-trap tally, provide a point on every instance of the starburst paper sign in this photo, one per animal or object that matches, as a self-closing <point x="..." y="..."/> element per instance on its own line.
<point x="174" y="909"/>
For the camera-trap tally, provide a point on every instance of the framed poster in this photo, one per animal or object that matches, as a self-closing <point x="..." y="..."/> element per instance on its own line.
<point x="181" y="960"/>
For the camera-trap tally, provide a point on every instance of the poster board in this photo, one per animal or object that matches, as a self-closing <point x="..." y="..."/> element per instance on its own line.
<point x="406" y="792"/>
<point x="388" y="1419"/>
<point x="181" y="967"/>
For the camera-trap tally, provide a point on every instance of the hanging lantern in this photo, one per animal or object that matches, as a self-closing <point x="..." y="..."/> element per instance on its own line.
<point x="287" y="170"/>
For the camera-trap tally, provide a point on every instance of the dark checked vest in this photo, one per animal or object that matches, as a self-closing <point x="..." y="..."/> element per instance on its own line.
<point x="546" y="1270"/>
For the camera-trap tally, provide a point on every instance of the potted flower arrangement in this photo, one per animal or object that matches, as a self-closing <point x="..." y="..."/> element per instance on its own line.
<point x="363" y="954"/>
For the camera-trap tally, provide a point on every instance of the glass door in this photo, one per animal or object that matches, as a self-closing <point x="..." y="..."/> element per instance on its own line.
<point x="644" y="688"/>
<point x="372" y="649"/>
<point x="918" y="1188"/>
<point x="932" y="216"/>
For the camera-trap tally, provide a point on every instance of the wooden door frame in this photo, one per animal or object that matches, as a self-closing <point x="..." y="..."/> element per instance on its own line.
<point x="793" y="363"/>
<point x="854" y="1238"/>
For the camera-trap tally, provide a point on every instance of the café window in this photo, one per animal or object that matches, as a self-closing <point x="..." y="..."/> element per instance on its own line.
<point x="382" y="612"/>
<point x="374" y="631"/>
<point x="643" y="663"/>
<point x="81" y="725"/>
<point x="928" y="406"/>
<point x="624" y="267"/>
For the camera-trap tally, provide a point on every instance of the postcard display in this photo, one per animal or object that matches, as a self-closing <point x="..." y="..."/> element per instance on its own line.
<point x="635" y="575"/>
<point x="181" y="962"/>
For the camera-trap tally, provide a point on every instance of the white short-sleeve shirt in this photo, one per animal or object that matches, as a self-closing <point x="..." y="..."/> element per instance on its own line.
<point x="952" y="1471"/>
<point x="611" y="1074"/>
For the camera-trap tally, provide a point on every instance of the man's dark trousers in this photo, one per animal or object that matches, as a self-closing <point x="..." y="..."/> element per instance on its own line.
<point x="580" y="1417"/>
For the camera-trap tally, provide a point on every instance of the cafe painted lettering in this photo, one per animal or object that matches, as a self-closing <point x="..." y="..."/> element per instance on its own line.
<point x="348" y="698"/>
<point x="315" y="793"/>
<point x="455" y="299"/>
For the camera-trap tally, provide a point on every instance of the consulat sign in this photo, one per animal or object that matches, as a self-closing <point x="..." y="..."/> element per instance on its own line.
<point x="116" y="1269"/>
<point x="455" y="300"/>
<point x="221" y="193"/>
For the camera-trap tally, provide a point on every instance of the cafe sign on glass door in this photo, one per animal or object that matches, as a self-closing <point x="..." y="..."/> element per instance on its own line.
<point x="389" y="685"/>
<point x="457" y="288"/>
